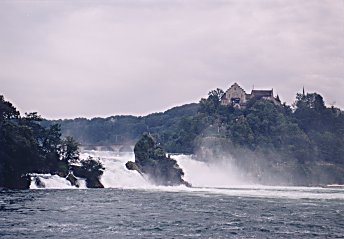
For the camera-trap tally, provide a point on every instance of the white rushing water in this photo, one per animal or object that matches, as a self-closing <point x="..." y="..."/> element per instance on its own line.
<point x="54" y="182"/>
<point x="207" y="179"/>
<point x="221" y="174"/>
<point x="116" y="175"/>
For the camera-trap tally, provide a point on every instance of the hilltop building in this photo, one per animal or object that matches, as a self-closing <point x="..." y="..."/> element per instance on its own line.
<point x="237" y="97"/>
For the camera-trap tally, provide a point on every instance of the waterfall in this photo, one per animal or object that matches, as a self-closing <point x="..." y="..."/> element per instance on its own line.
<point x="221" y="177"/>
<point x="116" y="175"/>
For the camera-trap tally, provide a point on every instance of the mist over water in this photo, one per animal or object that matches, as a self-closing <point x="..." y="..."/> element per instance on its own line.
<point x="221" y="173"/>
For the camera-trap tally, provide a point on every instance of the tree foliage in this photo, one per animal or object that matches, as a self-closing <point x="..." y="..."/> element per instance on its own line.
<point x="28" y="147"/>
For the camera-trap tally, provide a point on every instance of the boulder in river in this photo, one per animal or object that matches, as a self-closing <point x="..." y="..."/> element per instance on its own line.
<point x="151" y="160"/>
<point x="73" y="180"/>
<point x="91" y="170"/>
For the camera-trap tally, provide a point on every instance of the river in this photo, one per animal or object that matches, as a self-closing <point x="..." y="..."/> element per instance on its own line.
<point x="220" y="205"/>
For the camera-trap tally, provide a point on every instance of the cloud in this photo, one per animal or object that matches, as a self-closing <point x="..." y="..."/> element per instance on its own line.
<point x="89" y="58"/>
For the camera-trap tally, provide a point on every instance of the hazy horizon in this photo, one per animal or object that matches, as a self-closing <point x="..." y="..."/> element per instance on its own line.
<point x="90" y="59"/>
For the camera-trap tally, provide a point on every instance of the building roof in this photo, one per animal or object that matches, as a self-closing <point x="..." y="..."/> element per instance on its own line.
<point x="238" y="86"/>
<point x="262" y="93"/>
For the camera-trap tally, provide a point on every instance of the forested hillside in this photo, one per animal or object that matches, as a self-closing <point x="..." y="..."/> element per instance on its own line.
<point x="308" y="130"/>
<point x="302" y="143"/>
<point x="127" y="129"/>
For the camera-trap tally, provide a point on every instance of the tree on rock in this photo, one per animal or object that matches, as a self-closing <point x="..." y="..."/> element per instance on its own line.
<point x="151" y="160"/>
<point x="90" y="169"/>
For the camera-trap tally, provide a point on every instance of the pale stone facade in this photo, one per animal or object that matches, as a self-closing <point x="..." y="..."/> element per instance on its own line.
<point x="235" y="95"/>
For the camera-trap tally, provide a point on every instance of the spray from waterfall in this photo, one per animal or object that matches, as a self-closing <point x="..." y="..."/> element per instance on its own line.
<point x="221" y="173"/>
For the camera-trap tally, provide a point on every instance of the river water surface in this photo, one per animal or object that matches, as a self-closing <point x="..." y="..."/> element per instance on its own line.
<point x="129" y="207"/>
<point x="132" y="213"/>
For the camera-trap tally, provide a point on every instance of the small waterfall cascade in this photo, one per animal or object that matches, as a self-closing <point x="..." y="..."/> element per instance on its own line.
<point x="39" y="181"/>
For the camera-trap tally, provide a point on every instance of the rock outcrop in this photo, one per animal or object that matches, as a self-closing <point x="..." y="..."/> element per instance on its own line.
<point x="151" y="161"/>
<point x="91" y="170"/>
<point x="73" y="180"/>
<point x="39" y="182"/>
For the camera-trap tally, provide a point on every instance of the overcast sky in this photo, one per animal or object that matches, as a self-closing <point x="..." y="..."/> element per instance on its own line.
<point x="81" y="58"/>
